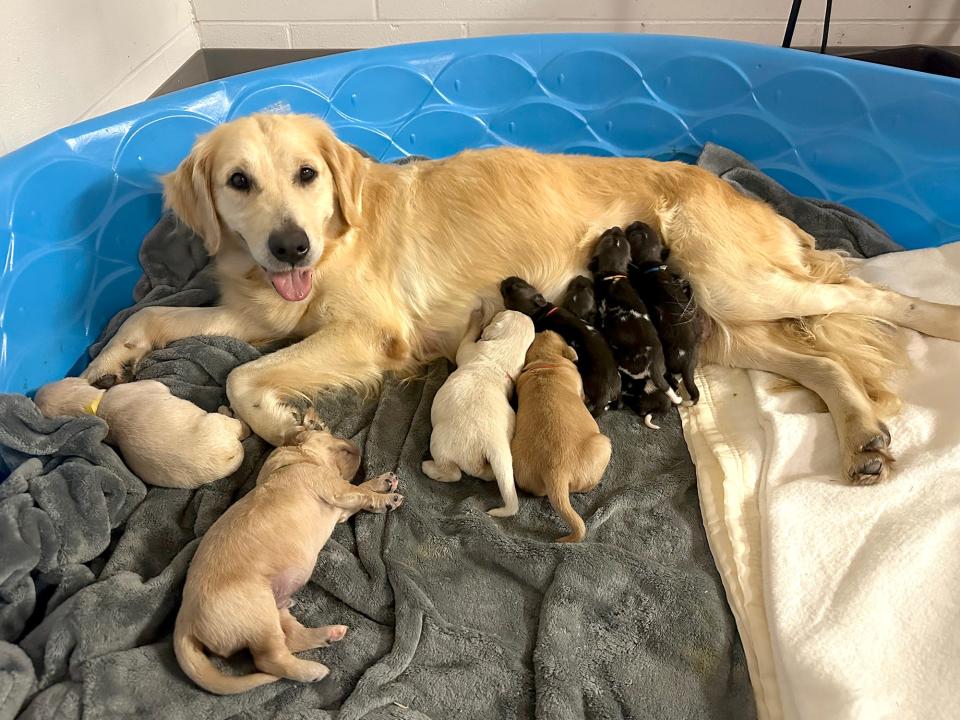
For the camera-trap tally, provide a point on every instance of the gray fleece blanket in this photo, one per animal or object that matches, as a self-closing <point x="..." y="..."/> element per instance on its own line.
<point x="452" y="613"/>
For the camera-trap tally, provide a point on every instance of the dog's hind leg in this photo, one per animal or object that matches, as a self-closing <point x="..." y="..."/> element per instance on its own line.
<point x="864" y="439"/>
<point x="300" y="638"/>
<point x="441" y="471"/>
<point x="788" y="298"/>
<point x="272" y="655"/>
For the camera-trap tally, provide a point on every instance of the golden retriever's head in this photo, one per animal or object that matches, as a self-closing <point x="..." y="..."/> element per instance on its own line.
<point x="283" y="184"/>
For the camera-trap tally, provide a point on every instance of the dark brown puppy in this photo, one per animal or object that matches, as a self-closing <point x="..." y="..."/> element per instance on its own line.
<point x="668" y="297"/>
<point x="626" y="325"/>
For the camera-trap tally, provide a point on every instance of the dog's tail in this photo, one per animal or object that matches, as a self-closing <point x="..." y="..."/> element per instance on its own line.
<point x="558" y="491"/>
<point x="501" y="463"/>
<point x="197" y="666"/>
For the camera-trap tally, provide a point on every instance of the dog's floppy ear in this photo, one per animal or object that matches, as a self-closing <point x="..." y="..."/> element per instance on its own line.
<point x="188" y="191"/>
<point x="570" y="354"/>
<point x="348" y="168"/>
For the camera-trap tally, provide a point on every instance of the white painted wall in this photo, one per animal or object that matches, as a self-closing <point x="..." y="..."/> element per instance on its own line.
<point x="366" y="23"/>
<point x="65" y="60"/>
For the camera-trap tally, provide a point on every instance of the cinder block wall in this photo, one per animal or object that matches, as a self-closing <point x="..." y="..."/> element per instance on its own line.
<point x="367" y="23"/>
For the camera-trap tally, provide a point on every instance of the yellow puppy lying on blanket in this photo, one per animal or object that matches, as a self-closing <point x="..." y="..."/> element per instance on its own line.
<point x="260" y="552"/>
<point x="166" y="441"/>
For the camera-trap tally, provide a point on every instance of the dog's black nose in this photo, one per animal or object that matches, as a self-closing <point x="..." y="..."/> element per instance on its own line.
<point x="289" y="244"/>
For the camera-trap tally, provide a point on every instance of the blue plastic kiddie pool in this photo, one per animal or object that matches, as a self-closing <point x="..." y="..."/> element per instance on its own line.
<point x="76" y="204"/>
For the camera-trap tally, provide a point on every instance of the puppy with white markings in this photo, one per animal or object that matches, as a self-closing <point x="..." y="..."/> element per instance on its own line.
<point x="579" y="300"/>
<point x="260" y="552"/>
<point x="165" y="440"/>
<point x="675" y="314"/>
<point x="472" y="419"/>
<point x="626" y="325"/>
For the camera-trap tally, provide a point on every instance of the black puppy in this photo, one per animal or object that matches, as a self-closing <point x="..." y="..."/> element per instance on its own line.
<point x="625" y="323"/>
<point x="598" y="369"/>
<point x="678" y="320"/>
<point x="580" y="301"/>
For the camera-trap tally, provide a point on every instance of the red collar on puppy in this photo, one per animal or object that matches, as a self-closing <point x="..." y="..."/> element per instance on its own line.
<point x="541" y="366"/>
<point x="551" y="311"/>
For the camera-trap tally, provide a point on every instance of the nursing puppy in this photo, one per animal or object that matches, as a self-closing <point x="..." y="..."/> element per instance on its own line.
<point x="558" y="447"/>
<point x="471" y="414"/>
<point x="626" y="325"/>
<point x="598" y="369"/>
<point x="672" y="307"/>
<point x="579" y="300"/>
<point x="260" y="552"/>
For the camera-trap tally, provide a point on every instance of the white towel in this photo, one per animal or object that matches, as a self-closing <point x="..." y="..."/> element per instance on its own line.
<point x="847" y="598"/>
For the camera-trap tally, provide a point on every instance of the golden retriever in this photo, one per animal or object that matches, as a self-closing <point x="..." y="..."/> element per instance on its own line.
<point x="376" y="267"/>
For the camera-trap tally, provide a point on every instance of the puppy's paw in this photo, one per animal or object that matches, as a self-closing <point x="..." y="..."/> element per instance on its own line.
<point x="384" y="483"/>
<point x="310" y="420"/>
<point x="394" y="500"/>
<point x="336" y="633"/>
<point x="504" y="511"/>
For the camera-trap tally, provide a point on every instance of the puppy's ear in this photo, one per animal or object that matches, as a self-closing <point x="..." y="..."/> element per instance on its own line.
<point x="594" y="263"/>
<point x="348" y="168"/>
<point x="570" y="354"/>
<point x="188" y="191"/>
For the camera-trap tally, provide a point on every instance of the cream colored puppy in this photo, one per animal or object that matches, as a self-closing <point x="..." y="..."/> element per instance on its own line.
<point x="260" y="552"/>
<point x="471" y="414"/>
<point x="165" y="440"/>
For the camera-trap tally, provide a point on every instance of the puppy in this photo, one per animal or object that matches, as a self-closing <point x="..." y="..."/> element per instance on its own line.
<point x="471" y="414"/>
<point x="558" y="447"/>
<point x="625" y="323"/>
<point x="260" y="552"/>
<point x="673" y="310"/>
<point x="598" y="369"/>
<point x="580" y="301"/>
<point x="165" y="440"/>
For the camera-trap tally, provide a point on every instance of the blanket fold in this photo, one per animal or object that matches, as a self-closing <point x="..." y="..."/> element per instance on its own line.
<point x="845" y="596"/>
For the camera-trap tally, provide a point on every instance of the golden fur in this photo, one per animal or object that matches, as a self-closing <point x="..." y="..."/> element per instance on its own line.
<point x="260" y="552"/>
<point x="402" y="253"/>
<point x="557" y="448"/>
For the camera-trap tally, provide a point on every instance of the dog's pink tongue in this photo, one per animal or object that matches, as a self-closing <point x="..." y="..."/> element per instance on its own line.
<point x="293" y="285"/>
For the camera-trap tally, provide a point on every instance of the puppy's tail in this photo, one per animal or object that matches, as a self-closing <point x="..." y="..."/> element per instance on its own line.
<point x="558" y="490"/>
<point x="197" y="666"/>
<point x="501" y="463"/>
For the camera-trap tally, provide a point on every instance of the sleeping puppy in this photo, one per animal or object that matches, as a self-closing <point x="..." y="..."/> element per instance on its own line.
<point x="627" y="327"/>
<point x="598" y="369"/>
<point x="558" y="447"/>
<point x="674" y="312"/>
<point x="260" y="552"/>
<point x="579" y="300"/>
<point x="471" y="414"/>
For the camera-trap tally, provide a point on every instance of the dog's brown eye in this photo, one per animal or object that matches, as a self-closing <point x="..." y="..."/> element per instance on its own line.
<point x="307" y="175"/>
<point x="239" y="181"/>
